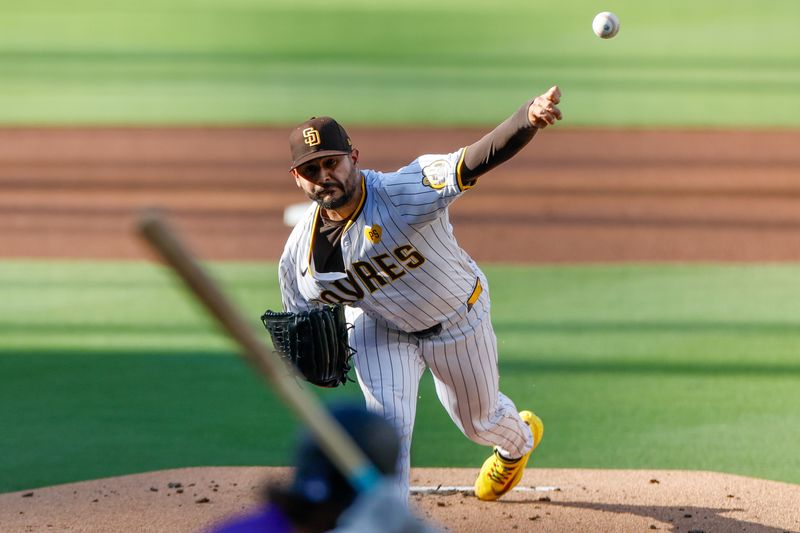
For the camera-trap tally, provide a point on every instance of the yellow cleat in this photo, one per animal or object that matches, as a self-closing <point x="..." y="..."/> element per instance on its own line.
<point x="499" y="475"/>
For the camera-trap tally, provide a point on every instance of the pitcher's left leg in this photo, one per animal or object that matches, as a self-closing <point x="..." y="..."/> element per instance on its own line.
<point x="463" y="360"/>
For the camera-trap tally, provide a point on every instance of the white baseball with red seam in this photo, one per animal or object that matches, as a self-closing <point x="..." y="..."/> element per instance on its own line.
<point x="605" y="25"/>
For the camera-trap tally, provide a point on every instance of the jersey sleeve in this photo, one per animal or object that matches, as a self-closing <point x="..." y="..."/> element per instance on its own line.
<point x="422" y="190"/>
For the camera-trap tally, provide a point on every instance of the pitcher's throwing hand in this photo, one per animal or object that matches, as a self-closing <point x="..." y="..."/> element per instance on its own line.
<point x="544" y="109"/>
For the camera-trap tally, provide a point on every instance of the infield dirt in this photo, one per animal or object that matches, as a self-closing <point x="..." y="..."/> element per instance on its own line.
<point x="572" y="196"/>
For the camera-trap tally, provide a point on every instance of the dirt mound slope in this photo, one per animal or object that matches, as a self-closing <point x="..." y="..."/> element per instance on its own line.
<point x="192" y="499"/>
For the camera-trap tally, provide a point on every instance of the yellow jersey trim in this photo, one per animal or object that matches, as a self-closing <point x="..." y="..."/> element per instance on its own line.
<point x="459" y="166"/>
<point x="476" y="293"/>
<point x="313" y="238"/>
<point x="360" y="206"/>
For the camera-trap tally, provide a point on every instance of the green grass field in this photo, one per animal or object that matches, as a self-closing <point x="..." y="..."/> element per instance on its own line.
<point x="677" y="63"/>
<point x="109" y="368"/>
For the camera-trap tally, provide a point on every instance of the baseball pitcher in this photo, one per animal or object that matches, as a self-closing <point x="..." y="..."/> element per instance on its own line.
<point x="381" y="244"/>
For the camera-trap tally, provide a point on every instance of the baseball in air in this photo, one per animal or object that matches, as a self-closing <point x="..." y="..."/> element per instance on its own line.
<point x="605" y="25"/>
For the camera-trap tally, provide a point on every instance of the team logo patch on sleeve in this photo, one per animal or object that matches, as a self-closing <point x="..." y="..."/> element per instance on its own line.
<point x="373" y="233"/>
<point x="435" y="174"/>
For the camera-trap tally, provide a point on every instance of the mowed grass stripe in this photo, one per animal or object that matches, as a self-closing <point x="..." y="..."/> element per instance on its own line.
<point x="109" y="368"/>
<point x="276" y="61"/>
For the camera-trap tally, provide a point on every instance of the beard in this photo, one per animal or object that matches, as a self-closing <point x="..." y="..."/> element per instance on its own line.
<point x="333" y="201"/>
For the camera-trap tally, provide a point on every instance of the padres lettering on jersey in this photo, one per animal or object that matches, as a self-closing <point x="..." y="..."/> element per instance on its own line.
<point x="373" y="275"/>
<point x="402" y="261"/>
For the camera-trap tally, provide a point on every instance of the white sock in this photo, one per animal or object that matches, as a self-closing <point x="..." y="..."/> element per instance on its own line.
<point x="507" y="456"/>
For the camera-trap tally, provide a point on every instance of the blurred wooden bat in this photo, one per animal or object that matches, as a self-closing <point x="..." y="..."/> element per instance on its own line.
<point x="332" y="439"/>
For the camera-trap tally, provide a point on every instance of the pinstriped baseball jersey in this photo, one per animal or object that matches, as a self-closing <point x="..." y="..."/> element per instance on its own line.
<point x="403" y="265"/>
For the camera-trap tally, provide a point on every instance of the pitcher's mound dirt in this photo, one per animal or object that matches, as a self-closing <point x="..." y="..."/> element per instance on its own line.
<point x="564" y="500"/>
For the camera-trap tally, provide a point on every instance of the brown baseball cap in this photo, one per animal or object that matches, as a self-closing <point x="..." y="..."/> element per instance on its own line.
<point x="318" y="137"/>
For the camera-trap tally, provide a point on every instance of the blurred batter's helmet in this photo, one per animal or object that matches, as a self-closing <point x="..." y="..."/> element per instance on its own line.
<point x="318" y="137"/>
<point x="318" y="481"/>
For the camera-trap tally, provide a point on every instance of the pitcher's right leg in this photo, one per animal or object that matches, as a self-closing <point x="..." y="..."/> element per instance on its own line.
<point x="389" y="368"/>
